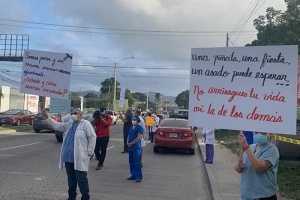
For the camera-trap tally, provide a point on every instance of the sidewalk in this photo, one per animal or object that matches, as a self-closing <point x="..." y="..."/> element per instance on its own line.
<point x="225" y="182"/>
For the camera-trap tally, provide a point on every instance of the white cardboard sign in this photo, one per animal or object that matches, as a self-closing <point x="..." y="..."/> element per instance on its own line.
<point x="46" y="73"/>
<point x="122" y="98"/>
<point x="244" y="88"/>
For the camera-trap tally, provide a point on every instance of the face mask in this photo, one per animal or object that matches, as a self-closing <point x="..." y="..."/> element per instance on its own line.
<point x="134" y="122"/>
<point x="260" y="139"/>
<point x="74" y="118"/>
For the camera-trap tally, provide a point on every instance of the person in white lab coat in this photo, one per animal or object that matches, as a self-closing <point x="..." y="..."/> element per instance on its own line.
<point x="153" y="129"/>
<point x="79" y="140"/>
<point x="209" y="140"/>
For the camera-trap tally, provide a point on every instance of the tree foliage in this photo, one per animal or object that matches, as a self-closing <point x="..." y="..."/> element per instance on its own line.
<point x="75" y="100"/>
<point x="139" y="96"/>
<point x="277" y="27"/>
<point x="182" y="99"/>
<point x="128" y="96"/>
<point x="91" y="100"/>
<point x="107" y="86"/>
<point x="157" y="97"/>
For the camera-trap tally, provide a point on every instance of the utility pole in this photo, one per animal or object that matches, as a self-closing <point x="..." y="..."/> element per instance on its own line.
<point x="147" y="98"/>
<point x="115" y="82"/>
<point x="227" y="40"/>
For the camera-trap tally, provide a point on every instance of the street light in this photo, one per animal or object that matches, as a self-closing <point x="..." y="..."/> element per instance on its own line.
<point x="115" y="73"/>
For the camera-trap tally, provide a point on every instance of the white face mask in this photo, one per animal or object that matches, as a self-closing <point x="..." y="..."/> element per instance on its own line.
<point x="74" y="118"/>
<point x="134" y="123"/>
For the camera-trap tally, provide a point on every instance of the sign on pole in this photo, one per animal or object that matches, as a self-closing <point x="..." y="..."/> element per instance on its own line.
<point x="122" y="98"/>
<point x="46" y="73"/>
<point x="244" y="88"/>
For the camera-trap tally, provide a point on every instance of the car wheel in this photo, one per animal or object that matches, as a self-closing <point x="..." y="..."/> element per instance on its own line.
<point x="37" y="130"/>
<point x="192" y="152"/>
<point x="115" y="122"/>
<point x="18" y="123"/>
<point x="155" y="149"/>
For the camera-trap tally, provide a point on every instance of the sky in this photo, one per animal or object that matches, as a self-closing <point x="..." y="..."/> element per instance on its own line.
<point x="159" y="34"/>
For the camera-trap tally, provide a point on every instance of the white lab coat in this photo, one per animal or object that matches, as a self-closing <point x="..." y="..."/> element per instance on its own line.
<point x="153" y="128"/>
<point x="84" y="142"/>
<point x="67" y="118"/>
<point x="210" y="135"/>
<point x="142" y="124"/>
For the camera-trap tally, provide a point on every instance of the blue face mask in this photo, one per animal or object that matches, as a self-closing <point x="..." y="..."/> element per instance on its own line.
<point x="260" y="139"/>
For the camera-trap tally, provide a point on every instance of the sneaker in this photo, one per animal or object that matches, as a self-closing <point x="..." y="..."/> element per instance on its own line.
<point x="138" y="180"/>
<point x="131" y="178"/>
<point x="99" y="167"/>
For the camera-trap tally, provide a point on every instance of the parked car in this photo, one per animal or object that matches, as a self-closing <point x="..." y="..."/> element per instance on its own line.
<point x="39" y="122"/>
<point x="174" y="133"/>
<point x="17" y="117"/>
<point x="113" y="115"/>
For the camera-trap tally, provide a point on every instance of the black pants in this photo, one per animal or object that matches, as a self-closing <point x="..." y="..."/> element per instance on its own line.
<point x="274" y="197"/>
<point x="125" y="135"/>
<point x="74" y="177"/>
<point x="100" y="149"/>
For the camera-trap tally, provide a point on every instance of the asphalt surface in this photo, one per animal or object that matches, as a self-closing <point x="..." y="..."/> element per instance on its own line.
<point x="29" y="171"/>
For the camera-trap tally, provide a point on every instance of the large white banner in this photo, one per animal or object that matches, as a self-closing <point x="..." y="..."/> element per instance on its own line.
<point x="46" y="73"/>
<point x="122" y="98"/>
<point x="244" y="88"/>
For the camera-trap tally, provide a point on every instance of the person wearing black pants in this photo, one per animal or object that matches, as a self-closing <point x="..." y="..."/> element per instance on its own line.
<point x="100" y="149"/>
<point x="101" y="124"/>
<point x="126" y="128"/>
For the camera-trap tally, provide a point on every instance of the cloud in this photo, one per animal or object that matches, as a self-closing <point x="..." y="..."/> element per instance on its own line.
<point x="160" y="58"/>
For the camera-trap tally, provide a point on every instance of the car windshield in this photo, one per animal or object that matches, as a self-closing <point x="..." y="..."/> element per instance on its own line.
<point x="11" y="112"/>
<point x="174" y="123"/>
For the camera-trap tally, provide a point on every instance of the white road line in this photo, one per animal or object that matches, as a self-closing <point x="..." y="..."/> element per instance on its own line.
<point x="110" y="147"/>
<point x="20" y="146"/>
<point x="21" y="173"/>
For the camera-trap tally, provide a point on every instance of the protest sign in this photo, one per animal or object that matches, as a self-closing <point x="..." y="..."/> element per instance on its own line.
<point x="60" y="105"/>
<point x="46" y="73"/>
<point x="244" y="88"/>
<point x="122" y="98"/>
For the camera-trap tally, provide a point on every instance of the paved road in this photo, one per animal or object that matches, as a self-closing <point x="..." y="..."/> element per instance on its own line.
<point x="29" y="171"/>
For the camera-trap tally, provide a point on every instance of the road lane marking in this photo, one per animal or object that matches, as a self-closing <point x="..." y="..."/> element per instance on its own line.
<point x="20" y="173"/>
<point x="25" y="145"/>
<point x="110" y="147"/>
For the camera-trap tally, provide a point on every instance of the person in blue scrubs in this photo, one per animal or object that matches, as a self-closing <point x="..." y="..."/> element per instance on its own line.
<point x="249" y="136"/>
<point x="135" y="149"/>
<point x="258" y="166"/>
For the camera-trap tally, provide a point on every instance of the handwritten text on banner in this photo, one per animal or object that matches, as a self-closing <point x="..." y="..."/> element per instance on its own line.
<point x="46" y="73"/>
<point x="244" y="88"/>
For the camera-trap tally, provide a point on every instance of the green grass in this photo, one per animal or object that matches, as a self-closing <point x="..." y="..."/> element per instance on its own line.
<point x="228" y="139"/>
<point x="288" y="177"/>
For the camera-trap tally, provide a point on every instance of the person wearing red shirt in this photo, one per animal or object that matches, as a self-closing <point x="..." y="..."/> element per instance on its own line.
<point x="101" y="124"/>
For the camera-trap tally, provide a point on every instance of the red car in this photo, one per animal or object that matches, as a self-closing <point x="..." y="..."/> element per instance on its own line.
<point x="174" y="133"/>
<point x="17" y="117"/>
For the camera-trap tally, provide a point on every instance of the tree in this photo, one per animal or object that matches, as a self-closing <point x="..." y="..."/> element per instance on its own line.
<point x="157" y="97"/>
<point x="107" y="86"/>
<point x="139" y="96"/>
<point x="75" y="100"/>
<point x="279" y="28"/>
<point x="91" y="100"/>
<point x="128" y="96"/>
<point x="182" y="99"/>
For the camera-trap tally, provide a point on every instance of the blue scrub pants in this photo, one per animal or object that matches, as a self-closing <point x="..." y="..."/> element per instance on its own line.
<point x="135" y="163"/>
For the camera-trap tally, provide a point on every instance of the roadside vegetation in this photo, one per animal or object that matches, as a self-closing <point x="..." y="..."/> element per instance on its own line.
<point x="288" y="176"/>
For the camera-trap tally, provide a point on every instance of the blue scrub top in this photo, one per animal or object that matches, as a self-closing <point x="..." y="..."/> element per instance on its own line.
<point x="133" y="133"/>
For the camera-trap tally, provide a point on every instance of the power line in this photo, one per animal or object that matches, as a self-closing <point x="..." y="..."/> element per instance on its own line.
<point x="125" y="34"/>
<point x="113" y="29"/>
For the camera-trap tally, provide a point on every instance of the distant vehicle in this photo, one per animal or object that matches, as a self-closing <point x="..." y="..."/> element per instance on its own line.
<point x="174" y="133"/>
<point x="184" y="112"/>
<point x="89" y="112"/>
<point x="113" y="115"/>
<point x="39" y="123"/>
<point x="179" y="116"/>
<point x="17" y="117"/>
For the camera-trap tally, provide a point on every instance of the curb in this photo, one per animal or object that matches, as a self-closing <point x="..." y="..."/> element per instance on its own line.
<point x="207" y="180"/>
<point x="15" y="131"/>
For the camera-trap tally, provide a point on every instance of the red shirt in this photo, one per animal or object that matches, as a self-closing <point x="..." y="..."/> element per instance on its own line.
<point x="102" y="130"/>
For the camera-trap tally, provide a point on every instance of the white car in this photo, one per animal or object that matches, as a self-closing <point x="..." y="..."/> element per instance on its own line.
<point x="113" y="115"/>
